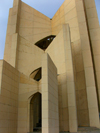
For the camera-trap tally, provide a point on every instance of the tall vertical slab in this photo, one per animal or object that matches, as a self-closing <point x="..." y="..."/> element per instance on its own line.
<point x="9" y="87"/>
<point x="50" y="120"/>
<point x="88" y="65"/>
<point x="94" y="33"/>
<point x="70" y="80"/>
<point x="11" y="35"/>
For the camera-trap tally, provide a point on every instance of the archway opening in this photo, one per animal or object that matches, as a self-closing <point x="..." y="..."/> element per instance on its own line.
<point x="36" y="113"/>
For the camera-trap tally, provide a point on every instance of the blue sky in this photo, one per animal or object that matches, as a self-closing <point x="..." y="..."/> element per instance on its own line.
<point x="47" y="7"/>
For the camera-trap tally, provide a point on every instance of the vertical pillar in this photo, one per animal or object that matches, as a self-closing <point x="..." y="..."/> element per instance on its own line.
<point x="88" y="66"/>
<point x="50" y="120"/>
<point x="12" y="28"/>
<point x="94" y="33"/>
<point x="15" y="18"/>
<point x="70" y="80"/>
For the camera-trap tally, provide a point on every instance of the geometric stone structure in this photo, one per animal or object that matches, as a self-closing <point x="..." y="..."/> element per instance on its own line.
<point x="50" y="75"/>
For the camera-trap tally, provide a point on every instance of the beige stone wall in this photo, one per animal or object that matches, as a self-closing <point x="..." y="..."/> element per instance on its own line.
<point x="78" y="47"/>
<point x="61" y="54"/>
<point x="88" y="66"/>
<point x="70" y="81"/>
<point x="75" y="52"/>
<point x="14" y="48"/>
<point x="29" y="24"/>
<point x="80" y="85"/>
<point x="62" y="126"/>
<point x="27" y="88"/>
<point x="50" y="116"/>
<point x="66" y="14"/>
<point x="33" y="24"/>
<point x="28" y="56"/>
<point x="8" y="98"/>
<point x="63" y="103"/>
<point x="94" y="33"/>
<point x="56" y="52"/>
<point x="12" y="28"/>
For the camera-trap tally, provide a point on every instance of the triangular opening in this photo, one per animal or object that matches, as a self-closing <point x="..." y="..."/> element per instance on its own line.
<point x="45" y="42"/>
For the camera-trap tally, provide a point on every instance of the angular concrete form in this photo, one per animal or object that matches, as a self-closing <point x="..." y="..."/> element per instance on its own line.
<point x="50" y="117"/>
<point x="50" y="75"/>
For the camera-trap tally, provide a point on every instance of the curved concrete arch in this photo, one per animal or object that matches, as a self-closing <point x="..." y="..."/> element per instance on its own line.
<point x="29" y="109"/>
<point x="30" y="97"/>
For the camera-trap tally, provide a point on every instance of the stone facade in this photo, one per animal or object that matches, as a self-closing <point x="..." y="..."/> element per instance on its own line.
<point x="50" y="75"/>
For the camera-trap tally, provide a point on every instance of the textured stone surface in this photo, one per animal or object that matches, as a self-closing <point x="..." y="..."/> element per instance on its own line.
<point x="69" y="76"/>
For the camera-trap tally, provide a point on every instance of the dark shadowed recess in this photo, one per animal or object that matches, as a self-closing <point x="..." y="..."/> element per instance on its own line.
<point x="36" y="74"/>
<point x="45" y="42"/>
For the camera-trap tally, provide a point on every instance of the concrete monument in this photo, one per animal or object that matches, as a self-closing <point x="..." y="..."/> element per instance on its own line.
<point x="50" y="75"/>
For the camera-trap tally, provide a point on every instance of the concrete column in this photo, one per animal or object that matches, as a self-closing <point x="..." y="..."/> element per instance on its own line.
<point x="50" y="117"/>
<point x="88" y="66"/>
<point x="12" y="29"/>
<point x="70" y="80"/>
<point x="94" y="34"/>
